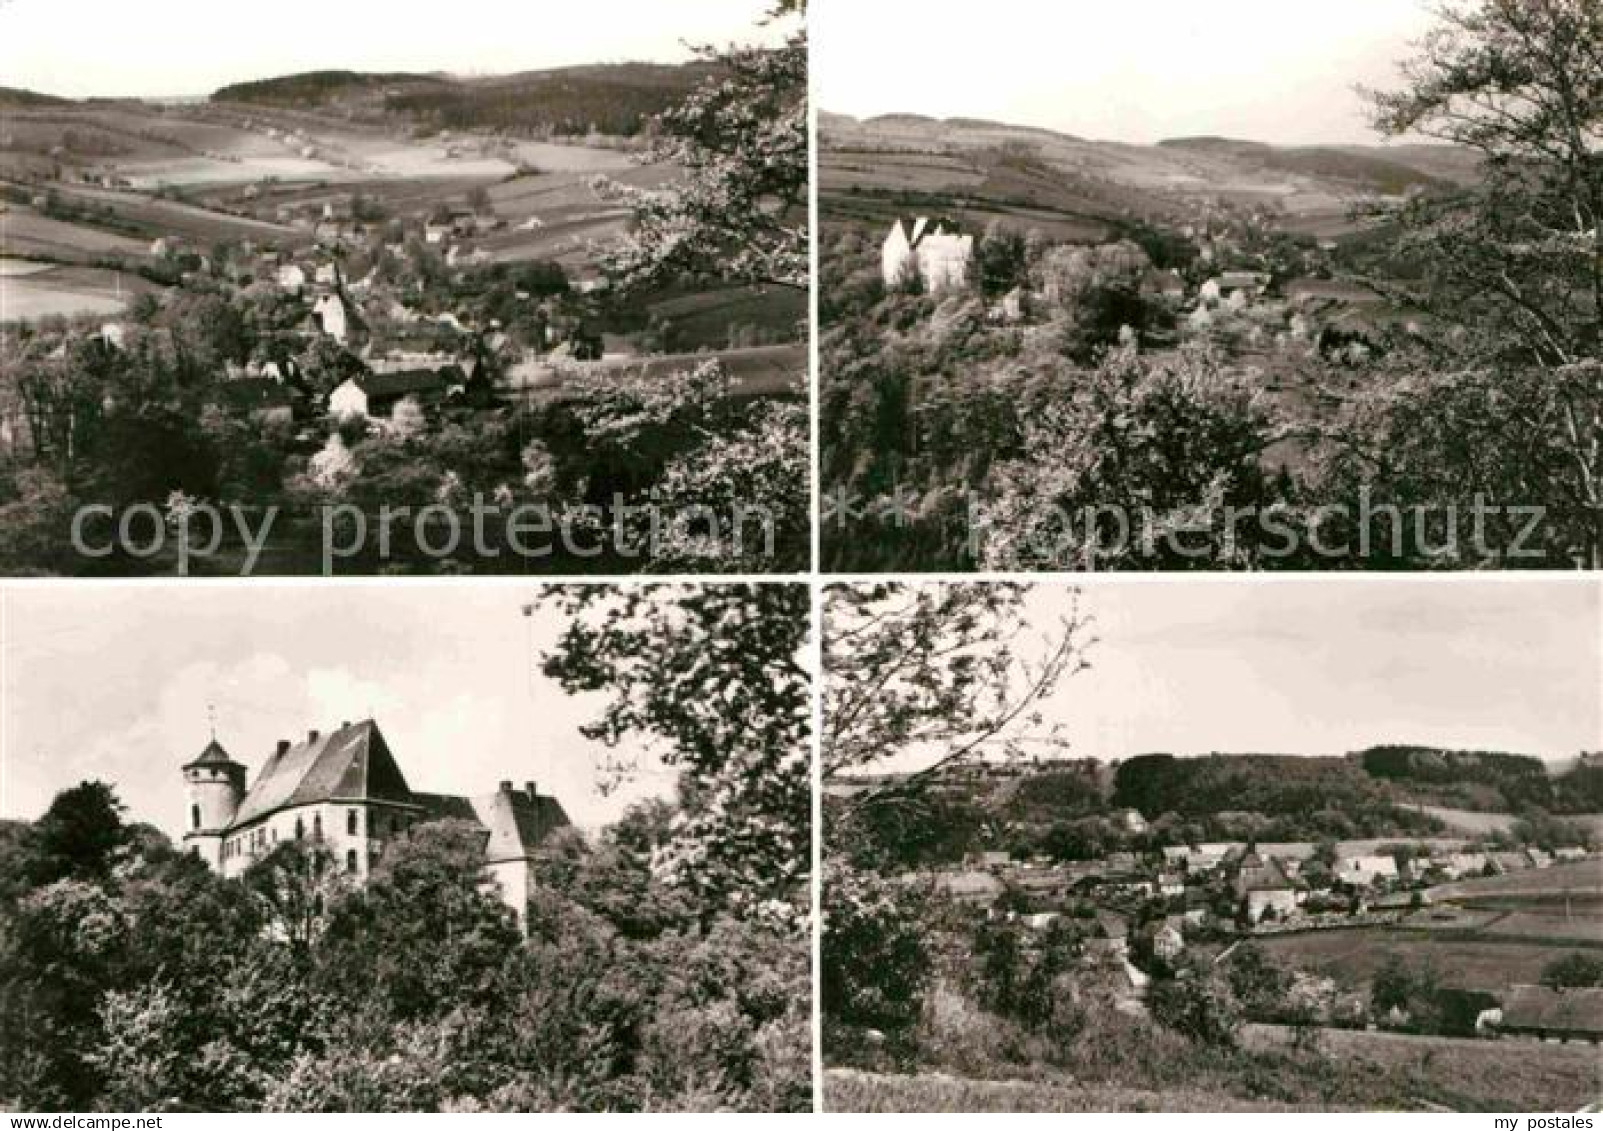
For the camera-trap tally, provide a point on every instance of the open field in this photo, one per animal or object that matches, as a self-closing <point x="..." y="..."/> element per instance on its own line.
<point x="67" y="291"/>
<point x="1551" y="925"/>
<point x="871" y="169"/>
<point x="1468" y="821"/>
<point x="759" y="371"/>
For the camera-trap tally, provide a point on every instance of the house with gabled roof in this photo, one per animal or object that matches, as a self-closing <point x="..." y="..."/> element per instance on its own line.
<point x="1262" y="886"/>
<point x="344" y="792"/>
<point x="933" y="250"/>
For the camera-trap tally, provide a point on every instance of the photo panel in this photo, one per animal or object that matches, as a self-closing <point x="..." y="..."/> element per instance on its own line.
<point x="423" y="295"/>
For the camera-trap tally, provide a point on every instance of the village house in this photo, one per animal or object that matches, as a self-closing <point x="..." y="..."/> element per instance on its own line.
<point x="938" y="257"/>
<point x="345" y="793"/>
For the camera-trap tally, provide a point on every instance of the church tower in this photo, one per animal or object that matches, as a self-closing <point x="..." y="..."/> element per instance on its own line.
<point x="214" y="785"/>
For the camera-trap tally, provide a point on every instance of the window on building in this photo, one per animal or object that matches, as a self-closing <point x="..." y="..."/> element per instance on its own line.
<point x="300" y="829"/>
<point x="351" y="822"/>
<point x="350" y="861"/>
<point x="194" y="816"/>
<point x="194" y="849"/>
<point x="317" y="826"/>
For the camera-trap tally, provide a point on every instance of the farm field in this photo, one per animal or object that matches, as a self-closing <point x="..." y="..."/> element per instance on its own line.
<point x="1581" y="878"/>
<point x="1353" y="956"/>
<point x="24" y="232"/>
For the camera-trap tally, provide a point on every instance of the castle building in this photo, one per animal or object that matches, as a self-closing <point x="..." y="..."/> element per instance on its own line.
<point x="939" y="257"/>
<point x="345" y="792"/>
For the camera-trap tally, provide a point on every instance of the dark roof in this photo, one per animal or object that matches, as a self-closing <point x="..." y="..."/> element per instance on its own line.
<point x="352" y="763"/>
<point x="1266" y="875"/>
<point x="254" y="392"/>
<point x="517" y="822"/>
<point x="213" y="755"/>
<point x="401" y="382"/>
<point x="1558" y="1011"/>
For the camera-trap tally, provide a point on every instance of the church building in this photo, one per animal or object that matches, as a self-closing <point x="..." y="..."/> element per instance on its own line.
<point x="344" y="791"/>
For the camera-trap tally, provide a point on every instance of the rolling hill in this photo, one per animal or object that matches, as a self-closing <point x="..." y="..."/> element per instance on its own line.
<point x="873" y="168"/>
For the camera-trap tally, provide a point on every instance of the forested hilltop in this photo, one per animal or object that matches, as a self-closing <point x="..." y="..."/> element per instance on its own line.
<point x="615" y="100"/>
<point x="1071" y="810"/>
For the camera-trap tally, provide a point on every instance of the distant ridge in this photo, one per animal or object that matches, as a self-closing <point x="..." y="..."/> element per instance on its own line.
<point x="14" y="96"/>
<point x="611" y="98"/>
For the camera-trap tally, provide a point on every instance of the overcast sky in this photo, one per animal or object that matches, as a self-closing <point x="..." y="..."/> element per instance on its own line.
<point x="114" y="683"/>
<point x="1328" y="667"/>
<point x="164" y="48"/>
<point x="1126" y="70"/>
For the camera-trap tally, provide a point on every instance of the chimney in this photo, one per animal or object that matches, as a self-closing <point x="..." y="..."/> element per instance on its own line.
<point x="506" y="787"/>
<point x="311" y="737"/>
<point x="528" y="787"/>
<point x="283" y="745"/>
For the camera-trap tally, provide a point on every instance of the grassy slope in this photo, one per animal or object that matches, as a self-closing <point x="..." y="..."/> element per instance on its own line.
<point x="1360" y="1070"/>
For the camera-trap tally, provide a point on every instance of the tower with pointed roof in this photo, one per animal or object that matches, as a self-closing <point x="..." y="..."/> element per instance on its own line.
<point x="214" y="785"/>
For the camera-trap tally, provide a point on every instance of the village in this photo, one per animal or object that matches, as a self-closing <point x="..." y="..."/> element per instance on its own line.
<point x="1149" y="908"/>
<point x="1263" y="295"/>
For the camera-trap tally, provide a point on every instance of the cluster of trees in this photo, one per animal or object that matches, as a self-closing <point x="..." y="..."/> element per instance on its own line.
<point x="663" y="966"/>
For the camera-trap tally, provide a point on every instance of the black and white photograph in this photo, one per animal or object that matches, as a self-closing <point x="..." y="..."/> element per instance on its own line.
<point x="1213" y="845"/>
<point x="1155" y="285"/>
<point x="363" y="848"/>
<point x="479" y="288"/>
<point x="780" y="556"/>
